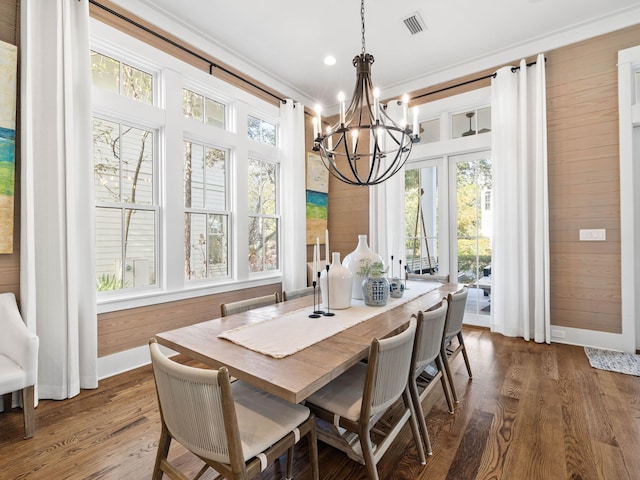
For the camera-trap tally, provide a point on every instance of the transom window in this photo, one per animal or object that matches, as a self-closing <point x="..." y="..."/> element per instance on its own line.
<point x="471" y="122"/>
<point x="203" y="108"/>
<point x="118" y="77"/>
<point x="261" y="130"/>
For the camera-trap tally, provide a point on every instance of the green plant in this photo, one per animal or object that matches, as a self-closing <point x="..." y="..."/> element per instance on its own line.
<point x="108" y="281"/>
<point x="369" y="268"/>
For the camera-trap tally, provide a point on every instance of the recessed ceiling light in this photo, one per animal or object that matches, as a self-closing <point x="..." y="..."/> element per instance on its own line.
<point x="329" y="60"/>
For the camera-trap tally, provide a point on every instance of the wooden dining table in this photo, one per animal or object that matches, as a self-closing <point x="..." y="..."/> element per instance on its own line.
<point x="300" y="374"/>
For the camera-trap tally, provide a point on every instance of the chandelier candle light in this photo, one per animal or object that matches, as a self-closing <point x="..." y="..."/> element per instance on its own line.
<point x="366" y="146"/>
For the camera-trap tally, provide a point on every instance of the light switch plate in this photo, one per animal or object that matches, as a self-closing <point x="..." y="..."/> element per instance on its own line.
<point x="594" y="234"/>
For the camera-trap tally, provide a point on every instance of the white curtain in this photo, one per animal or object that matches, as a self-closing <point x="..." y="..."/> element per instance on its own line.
<point x="57" y="284"/>
<point x="386" y="224"/>
<point x="293" y="175"/>
<point x="520" y="263"/>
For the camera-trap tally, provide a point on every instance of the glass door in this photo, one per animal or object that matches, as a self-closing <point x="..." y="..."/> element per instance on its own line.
<point x="471" y="215"/>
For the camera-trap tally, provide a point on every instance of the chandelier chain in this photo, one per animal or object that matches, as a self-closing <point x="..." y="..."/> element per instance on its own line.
<point x="362" y="18"/>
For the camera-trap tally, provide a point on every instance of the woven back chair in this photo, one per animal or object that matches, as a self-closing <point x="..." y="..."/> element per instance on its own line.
<point x="234" y="428"/>
<point x="248" y="304"/>
<point x="352" y="404"/>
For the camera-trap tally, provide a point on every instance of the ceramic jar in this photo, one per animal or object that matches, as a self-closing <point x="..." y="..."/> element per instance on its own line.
<point x="340" y="285"/>
<point x="352" y="263"/>
<point x="396" y="287"/>
<point x="375" y="290"/>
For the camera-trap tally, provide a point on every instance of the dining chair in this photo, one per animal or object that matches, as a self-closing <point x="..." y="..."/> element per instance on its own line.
<point x="297" y="293"/>
<point x="426" y="351"/>
<point x="234" y="428"/>
<point x="18" y="360"/>
<point x="248" y="304"/>
<point x="453" y="330"/>
<point x="353" y="403"/>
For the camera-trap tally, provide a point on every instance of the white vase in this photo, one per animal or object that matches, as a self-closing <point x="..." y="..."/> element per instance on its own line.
<point x="352" y="263"/>
<point x="340" y="279"/>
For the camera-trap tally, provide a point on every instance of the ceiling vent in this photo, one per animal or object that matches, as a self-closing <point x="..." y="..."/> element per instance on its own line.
<point x="414" y="23"/>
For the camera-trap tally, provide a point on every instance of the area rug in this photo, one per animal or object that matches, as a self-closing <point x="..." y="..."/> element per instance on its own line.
<point x="628" y="363"/>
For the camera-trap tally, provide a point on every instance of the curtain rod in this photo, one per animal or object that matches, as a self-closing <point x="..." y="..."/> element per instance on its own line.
<point x="491" y="75"/>
<point x="211" y="63"/>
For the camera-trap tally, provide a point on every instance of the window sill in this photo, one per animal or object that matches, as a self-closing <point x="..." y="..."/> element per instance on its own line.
<point x="143" y="298"/>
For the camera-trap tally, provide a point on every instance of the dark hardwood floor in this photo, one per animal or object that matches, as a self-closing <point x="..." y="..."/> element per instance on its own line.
<point x="531" y="412"/>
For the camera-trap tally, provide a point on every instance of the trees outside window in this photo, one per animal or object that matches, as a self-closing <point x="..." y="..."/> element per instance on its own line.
<point x="264" y="217"/>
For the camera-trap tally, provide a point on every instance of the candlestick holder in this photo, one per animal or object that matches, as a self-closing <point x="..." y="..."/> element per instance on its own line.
<point x="406" y="275"/>
<point x="318" y="311"/>
<point x="315" y="313"/>
<point x="328" y="313"/>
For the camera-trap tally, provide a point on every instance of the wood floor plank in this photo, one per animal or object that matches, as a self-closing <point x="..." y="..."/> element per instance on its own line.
<point x="531" y="411"/>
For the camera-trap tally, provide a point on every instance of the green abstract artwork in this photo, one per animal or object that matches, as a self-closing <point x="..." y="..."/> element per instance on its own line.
<point x="8" y="74"/>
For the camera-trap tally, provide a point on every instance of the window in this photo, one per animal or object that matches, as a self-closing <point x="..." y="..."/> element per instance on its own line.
<point x="186" y="201"/>
<point x="263" y="216"/>
<point x="430" y="131"/>
<point x="472" y="122"/>
<point x="206" y="216"/>
<point x="126" y="209"/>
<point x="203" y="109"/>
<point x="421" y="219"/>
<point x="118" y="77"/>
<point x="261" y="131"/>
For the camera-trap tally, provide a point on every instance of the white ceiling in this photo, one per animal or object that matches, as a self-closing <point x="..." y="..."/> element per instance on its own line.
<point x="283" y="42"/>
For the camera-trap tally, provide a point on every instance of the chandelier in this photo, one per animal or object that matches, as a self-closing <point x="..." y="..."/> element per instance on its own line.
<point x="365" y="146"/>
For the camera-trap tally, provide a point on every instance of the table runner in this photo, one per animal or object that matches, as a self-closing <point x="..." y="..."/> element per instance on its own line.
<point x="287" y="334"/>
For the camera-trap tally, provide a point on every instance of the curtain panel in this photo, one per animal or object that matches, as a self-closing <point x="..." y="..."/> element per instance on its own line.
<point x="57" y="280"/>
<point x="520" y="264"/>
<point x="293" y="251"/>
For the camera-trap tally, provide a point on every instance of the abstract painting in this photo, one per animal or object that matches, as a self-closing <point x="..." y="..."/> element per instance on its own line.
<point x="317" y="198"/>
<point x="8" y="74"/>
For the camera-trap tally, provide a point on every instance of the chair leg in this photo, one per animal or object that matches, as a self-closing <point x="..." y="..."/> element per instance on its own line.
<point x="414" y="425"/>
<point x="417" y="405"/>
<point x="28" y="410"/>
<point x="447" y="369"/>
<point x="313" y="449"/>
<point x="163" y="451"/>
<point x="367" y="453"/>
<point x="290" y="463"/>
<point x="464" y="354"/>
<point x="6" y="401"/>
<point x="443" y="381"/>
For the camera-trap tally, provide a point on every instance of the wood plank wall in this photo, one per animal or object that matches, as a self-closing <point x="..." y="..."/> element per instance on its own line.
<point x="584" y="180"/>
<point x="10" y="263"/>
<point x="119" y="331"/>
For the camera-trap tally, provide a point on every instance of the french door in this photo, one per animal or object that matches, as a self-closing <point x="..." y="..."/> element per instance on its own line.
<point x="470" y="187"/>
<point x="449" y="224"/>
